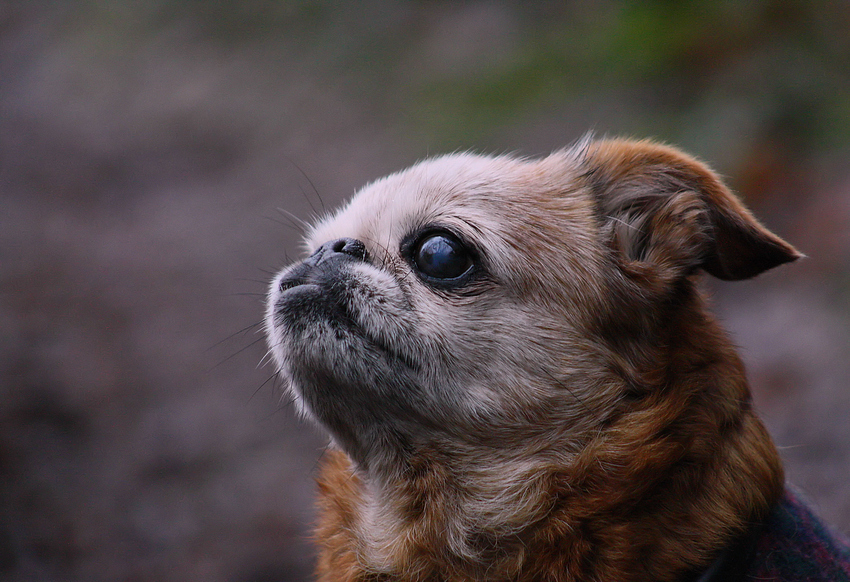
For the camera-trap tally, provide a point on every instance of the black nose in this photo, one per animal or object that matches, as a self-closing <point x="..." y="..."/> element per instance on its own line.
<point x="341" y="247"/>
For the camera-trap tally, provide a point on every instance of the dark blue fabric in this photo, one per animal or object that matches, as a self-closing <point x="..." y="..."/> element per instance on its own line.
<point x="796" y="546"/>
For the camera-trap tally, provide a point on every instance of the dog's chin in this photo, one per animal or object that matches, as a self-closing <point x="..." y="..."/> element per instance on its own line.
<point x="344" y="377"/>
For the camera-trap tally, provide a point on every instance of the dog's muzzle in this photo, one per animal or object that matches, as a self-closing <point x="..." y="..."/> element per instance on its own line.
<point x="326" y="259"/>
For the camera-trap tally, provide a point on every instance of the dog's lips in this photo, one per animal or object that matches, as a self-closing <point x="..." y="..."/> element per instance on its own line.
<point x="304" y="298"/>
<point x="293" y="280"/>
<point x="299" y="297"/>
<point x="294" y="288"/>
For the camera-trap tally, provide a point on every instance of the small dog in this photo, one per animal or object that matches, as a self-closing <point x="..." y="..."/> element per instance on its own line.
<point x="522" y="382"/>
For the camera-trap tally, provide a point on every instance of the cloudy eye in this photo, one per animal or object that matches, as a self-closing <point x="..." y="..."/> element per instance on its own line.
<point x="441" y="256"/>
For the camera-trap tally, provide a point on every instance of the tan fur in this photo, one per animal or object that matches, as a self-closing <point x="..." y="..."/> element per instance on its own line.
<point x="601" y="426"/>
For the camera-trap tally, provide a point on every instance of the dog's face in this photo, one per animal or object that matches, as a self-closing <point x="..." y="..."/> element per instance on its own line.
<point x="473" y="302"/>
<point x="446" y="301"/>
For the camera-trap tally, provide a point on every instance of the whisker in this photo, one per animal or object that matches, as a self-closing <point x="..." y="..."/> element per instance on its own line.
<point x="231" y="356"/>
<point x="266" y="272"/>
<point x="258" y="281"/>
<point x="325" y="449"/>
<point x="260" y="387"/>
<point x="313" y="186"/>
<point x="289" y="223"/>
<point x="266" y="359"/>
<point x="305" y="226"/>
<point x="245" y="329"/>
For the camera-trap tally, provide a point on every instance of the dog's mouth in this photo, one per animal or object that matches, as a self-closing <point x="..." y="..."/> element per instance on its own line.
<point x="287" y="284"/>
<point x="293" y="297"/>
<point x="302" y="302"/>
<point x="301" y="275"/>
<point x="307" y="295"/>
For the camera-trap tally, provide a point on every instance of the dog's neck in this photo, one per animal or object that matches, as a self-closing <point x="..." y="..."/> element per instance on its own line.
<point x="671" y="480"/>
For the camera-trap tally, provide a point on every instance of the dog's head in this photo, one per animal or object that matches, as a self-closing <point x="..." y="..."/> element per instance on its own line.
<point x="477" y="302"/>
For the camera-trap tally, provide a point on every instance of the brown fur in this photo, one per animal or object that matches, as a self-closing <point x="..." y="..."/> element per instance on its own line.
<point x="659" y="492"/>
<point x="675" y="463"/>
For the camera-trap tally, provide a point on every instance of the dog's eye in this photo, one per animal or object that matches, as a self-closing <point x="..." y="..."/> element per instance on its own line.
<point x="442" y="256"/>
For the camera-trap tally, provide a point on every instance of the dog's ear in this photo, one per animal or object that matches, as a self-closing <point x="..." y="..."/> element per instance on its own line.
<point x="662" y="207"/>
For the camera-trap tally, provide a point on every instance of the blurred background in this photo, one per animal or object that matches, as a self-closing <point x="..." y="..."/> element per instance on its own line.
<point x="146" y="147"/>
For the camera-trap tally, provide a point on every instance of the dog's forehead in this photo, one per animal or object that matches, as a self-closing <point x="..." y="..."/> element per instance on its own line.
<point x="484" y="197"/>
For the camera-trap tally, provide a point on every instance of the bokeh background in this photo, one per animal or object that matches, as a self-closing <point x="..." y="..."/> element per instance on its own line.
<point x="146" y="147"/>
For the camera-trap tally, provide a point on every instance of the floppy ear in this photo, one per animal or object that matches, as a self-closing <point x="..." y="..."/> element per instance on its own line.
<point x="662" y="207"/>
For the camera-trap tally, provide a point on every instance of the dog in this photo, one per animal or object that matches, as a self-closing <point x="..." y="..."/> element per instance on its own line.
<point x="521" y="380"/>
